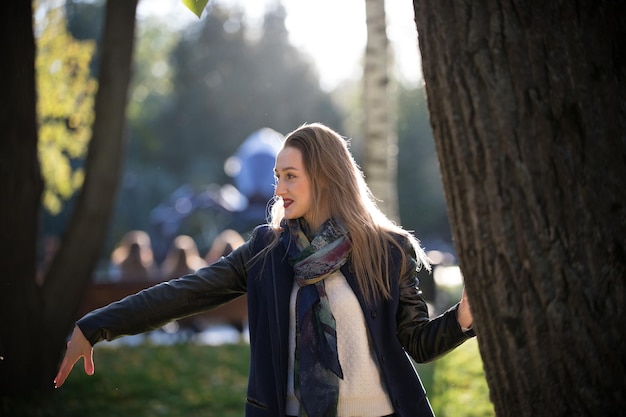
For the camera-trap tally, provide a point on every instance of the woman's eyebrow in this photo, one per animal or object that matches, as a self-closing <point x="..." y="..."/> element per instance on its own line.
<point x="285" y="169"/>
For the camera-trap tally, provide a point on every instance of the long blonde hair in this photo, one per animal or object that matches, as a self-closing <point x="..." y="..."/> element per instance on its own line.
<point x="339" y="187"/>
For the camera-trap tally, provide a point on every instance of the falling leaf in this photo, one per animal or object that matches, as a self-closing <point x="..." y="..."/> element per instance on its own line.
<point x="196" y="6"/>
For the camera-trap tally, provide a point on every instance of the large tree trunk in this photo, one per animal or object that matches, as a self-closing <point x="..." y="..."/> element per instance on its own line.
<point x="36" y="320"/>
<point x="528" y="108"/>
<point x="381" y="139"/>
<point x="70" y="273"/>
<point x="21" y="186"/>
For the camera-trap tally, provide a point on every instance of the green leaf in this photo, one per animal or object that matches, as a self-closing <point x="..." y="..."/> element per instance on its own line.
<point x="196" y="6"/>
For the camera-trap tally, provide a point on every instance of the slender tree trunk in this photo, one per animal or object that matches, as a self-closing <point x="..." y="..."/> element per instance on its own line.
<point x="381" y="139"/>
<point x="21" y="186"/>
<point x="71" y="270"/>
<point x="528" y="108"/>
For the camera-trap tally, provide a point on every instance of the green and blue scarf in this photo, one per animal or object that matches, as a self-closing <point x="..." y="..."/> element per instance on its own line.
<point x="317" y="368"/>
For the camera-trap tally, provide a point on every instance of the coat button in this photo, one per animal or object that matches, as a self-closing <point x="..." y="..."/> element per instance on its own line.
<point x="374" y="314"/>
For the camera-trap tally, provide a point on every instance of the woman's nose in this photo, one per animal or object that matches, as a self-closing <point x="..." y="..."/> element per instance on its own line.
<point x="278" y="188"/>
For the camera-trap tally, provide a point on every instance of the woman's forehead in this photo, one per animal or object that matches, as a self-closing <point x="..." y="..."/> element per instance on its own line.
<point x="288" y="158"/>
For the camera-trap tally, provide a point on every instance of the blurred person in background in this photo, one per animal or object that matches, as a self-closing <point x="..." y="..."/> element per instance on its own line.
<point x="133" y="260"/>
<point x="182" y="258"/>
<point x="223" y="244"/>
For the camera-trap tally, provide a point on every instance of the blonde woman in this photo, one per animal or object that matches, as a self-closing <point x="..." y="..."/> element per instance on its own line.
<point x="333" y="302"/>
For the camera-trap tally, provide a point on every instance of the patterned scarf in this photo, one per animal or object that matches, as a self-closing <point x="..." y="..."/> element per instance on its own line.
<point x="317" y="369"/>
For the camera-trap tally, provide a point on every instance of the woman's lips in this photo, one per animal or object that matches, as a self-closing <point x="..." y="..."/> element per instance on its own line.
<point x="287" y="202"/>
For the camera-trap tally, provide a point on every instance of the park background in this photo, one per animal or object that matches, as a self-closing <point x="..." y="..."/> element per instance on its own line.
<point x="199" y="89"/>
<point x="526" y="103"/>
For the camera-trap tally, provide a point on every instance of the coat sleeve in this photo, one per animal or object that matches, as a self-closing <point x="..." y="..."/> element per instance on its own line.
<point x="153" y="307"/>
<point x="424" y="338"/>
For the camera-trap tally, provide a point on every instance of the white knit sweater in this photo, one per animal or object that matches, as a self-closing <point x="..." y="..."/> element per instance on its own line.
<point x="361" y="392"/>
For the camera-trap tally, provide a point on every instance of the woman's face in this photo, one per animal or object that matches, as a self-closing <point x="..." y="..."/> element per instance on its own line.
<point x="293" y="186"/>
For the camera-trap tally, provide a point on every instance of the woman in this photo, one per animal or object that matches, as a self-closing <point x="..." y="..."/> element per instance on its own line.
<point x="333" y="301"/>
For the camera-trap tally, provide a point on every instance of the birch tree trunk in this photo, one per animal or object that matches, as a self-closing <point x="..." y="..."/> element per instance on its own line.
<point x="381" y="141"/>
<point x="528" y="108"/>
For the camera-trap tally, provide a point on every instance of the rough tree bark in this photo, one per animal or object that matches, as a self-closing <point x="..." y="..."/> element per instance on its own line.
<point x="381" y="139"/>
<point x="528" y="108"/>
<point x="21" y="186"/>
<point x="32" y="342"/>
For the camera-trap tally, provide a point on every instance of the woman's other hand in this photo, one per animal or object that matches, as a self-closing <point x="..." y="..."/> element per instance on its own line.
<point x="464" y="313"/>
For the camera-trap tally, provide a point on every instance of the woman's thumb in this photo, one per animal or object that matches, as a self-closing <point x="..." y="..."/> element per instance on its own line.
<point x="88" y="363"/>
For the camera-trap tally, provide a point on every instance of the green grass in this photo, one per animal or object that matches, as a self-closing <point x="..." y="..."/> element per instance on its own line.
<point x="191" y="380"/>
<point x="459" y="387"/>
<point x="180" y="380"/>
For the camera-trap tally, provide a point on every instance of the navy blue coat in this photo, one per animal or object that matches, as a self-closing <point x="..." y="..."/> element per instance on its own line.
<point x="397" y="326"/>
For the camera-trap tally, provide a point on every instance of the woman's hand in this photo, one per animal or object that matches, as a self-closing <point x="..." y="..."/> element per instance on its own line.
<point x="464" y="313"/>
<point x="77" y="347"/>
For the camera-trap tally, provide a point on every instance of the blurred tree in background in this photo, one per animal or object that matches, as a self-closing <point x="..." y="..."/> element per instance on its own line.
<point x="226" y="85"/>
<point x="420" y="191"/>
<point x="380" y="138"/>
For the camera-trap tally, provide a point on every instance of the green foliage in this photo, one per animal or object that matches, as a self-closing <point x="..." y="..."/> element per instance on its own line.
<point x="64" y="107"/>
<point x="151" y="87"/>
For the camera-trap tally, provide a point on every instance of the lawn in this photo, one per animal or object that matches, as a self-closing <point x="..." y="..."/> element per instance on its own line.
<point x="180" y="380"/>
<point x="189" y="380"/>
